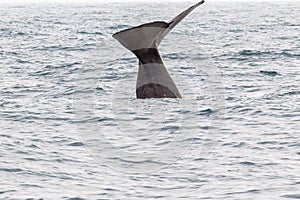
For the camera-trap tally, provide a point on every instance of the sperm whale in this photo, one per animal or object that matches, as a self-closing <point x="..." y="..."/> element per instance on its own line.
<point x="153" y="81"/>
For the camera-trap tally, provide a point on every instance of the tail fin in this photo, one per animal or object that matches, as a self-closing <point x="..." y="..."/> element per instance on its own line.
<point x="178" y="19"/>
<point x="141" y="37"/>
<point x="151" y="34"/>
<point x="153" y="80"/>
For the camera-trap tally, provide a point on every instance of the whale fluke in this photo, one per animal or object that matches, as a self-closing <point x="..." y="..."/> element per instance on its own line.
<point x="153" y="79"/>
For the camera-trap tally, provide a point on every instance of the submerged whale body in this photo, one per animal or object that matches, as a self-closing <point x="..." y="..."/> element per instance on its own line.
<point x="153" y="80"/>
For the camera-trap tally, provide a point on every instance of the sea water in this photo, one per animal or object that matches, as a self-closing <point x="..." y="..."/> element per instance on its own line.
<point x="72" y="128"/>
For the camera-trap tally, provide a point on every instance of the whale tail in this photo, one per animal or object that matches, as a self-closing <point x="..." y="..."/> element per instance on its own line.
<point x="150" y="35"/>
<point x="141" y="37"/>
<point x="154" y="80"/>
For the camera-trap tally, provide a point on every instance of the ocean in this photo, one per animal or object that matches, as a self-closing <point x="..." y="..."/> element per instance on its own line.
<point x="72" y="128"/>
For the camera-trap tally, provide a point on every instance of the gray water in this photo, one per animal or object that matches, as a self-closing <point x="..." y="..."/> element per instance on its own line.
<point x="71" y="127"/>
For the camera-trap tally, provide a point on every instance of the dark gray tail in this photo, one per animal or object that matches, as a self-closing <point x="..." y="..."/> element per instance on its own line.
<point x="154" y="80"/>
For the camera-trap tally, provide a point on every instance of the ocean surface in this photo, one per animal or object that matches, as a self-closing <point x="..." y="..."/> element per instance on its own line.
<point x="72" y="128"/>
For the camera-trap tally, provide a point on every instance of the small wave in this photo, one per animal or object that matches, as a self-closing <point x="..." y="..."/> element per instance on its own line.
<point x="292" y="196"/>
<point x="85" y="120"/>
<point x="11" y="169"/>
<point x="289" y="55"/>
<point x="248" y="191"/>
<point x="252" y="53"/>
<point x="138" y="161"/>
<point x="206" y="112"/>
<point x="175" y="56"/>
<point x="31" y="185"/>
<point x="89" y="33"/>
<point x="4" y="29"/>
<point x="267" y="142"/>
<point x="141" y="118"/>
<point x="269" y="73"/>
<point x="6" y="191"/>
<point x="50" y="69"/>
<point x="9" y="33"/>
<point x="247" y="163"/>
<point x="240" y="144"/>
<point x="99" y="89"/>
<point x="42" y="73"/>
<point x="76" y="144"/>
<point x="20" y="33"/>
<point x="200" y="159"/>
<point x="69" y="64"/>
<point x="290" y="24"/>
<point x="32" y="159"/>
<point x="23" y="61"/>
<point x="236" y="30"/>
<point x="117" y="27"/>
<point x="76" y="198"/>
<point x="290" y="93"/>
<point x="62" y="48"/>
